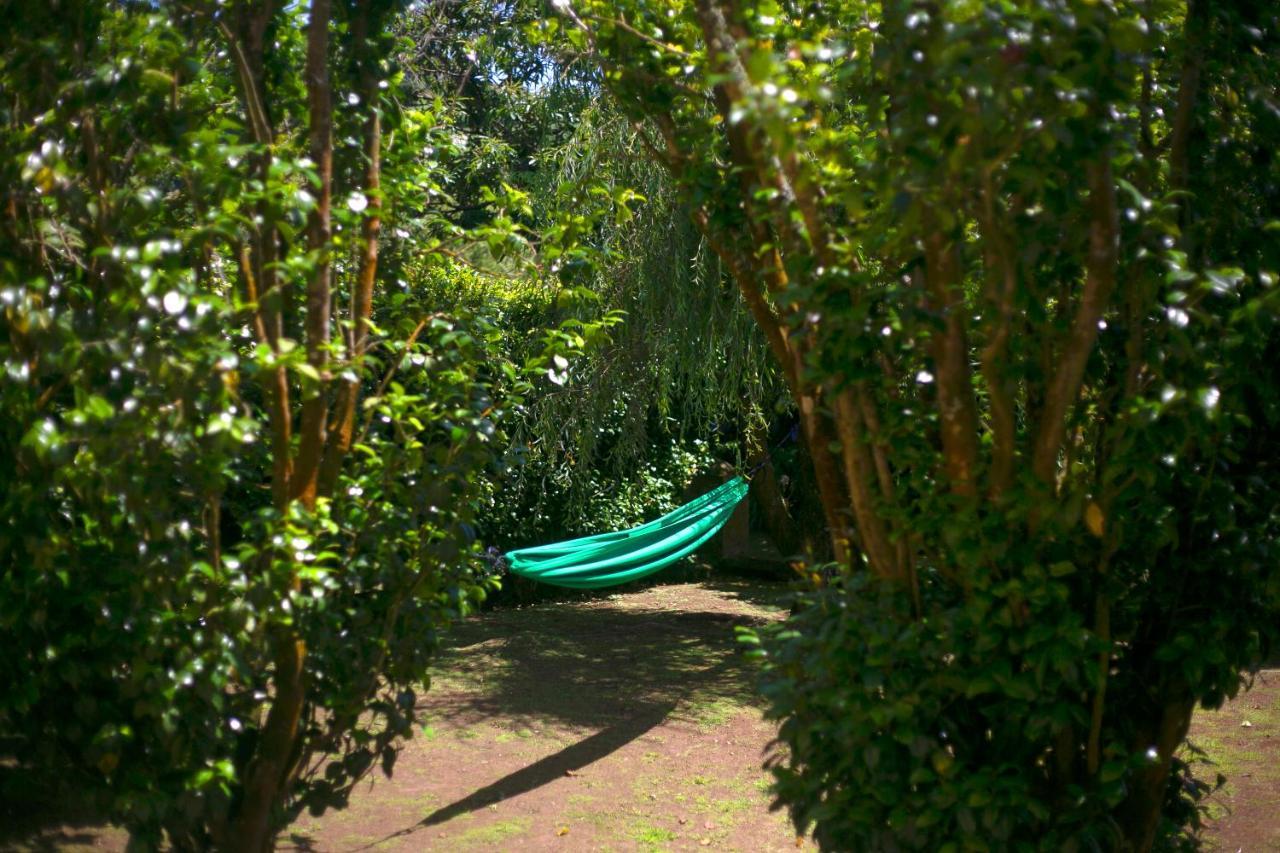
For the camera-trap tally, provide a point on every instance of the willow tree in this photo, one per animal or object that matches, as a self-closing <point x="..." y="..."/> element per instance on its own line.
<point x="986" y="245"/>
<point x="685" y="374"/>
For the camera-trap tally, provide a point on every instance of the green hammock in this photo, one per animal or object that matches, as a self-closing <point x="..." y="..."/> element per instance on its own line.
<point x="615" y="558"/>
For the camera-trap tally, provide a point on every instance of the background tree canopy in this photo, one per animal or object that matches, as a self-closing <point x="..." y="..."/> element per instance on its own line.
<point x="304" y="305"/>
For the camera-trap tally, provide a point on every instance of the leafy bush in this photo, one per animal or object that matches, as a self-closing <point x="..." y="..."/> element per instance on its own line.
<point x="1013" y="261"/>
<point x="235" y="521"/>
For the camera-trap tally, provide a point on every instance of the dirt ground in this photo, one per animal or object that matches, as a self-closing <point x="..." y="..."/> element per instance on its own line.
<point x="1242" y="741"/>
<point x="623" y="722"/>
<point x="628" y="722"/>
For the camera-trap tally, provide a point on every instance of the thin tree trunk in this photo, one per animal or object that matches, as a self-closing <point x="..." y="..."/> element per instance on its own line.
<point x="1001" y="286"/>
<point x="315" y="408"/>
<point x="773" y="510"/>
<point x="818" y="438"/>
<point x="362" y="294"/>
<point x="858" y="471"/>
<point x="1100" y="280"/>
<point x="950" y="351"/>
<point x="1140" y="812"/>
<point x="1195" y="36"/>
<point x="271" y="768"/>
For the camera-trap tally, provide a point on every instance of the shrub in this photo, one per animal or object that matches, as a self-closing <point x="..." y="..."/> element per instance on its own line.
<point x="1012" y="261"/>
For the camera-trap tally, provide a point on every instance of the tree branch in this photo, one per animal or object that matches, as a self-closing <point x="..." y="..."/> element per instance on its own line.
<point x="276" y="387"/>
<point x="950" y="351"/>
<point x="1196" y="30"/>
<point x="277" y="753"/>
<point x="1100" y="279"/>
<point x="362" y="294"/>
<point x="1001" y="285"/>
<point x="857" y="473"/>
<point x="315" y="409"/>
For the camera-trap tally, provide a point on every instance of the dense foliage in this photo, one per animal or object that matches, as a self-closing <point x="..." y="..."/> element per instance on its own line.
<point x="685" y="379"/>
<point x="305" y="304"/>
<point x="243" y="445"/>
<point x="987" y="245"/>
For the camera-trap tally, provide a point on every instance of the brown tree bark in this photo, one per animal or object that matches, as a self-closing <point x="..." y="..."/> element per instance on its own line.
<point x="1001" y="286"/>
<point x="1195" y="38"/>
<point x="248" y="51"/>
<point x="858" y="473"/>
<point x="773" y="510"/>
<point x="1100" y="280"/>
<point x="344" y="415"/>
<point x="271" y="768"/>
<point x="315" y="408"/>
<point x="950" y="351"/>
<point x="1140" y="812"/>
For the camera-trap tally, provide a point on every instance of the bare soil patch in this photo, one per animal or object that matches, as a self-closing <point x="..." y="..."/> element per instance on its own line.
<point x="1242" y="741"/>
<point x="626" y="722"/>
<point x="623" y="722"/>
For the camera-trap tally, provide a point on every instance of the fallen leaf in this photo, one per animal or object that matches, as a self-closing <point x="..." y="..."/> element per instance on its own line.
<point x="1246" y="725"/>
<point x="564" y="830"/>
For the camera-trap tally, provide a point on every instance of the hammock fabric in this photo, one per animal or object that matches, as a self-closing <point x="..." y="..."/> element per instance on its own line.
<point x="616" y="558"/>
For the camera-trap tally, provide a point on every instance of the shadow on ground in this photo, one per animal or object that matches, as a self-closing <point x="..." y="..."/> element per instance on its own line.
<point x="616" y="666"/>
<point x="600" y="672"/>
<point x="595" y="664"/>
<point x="40" y="811"/>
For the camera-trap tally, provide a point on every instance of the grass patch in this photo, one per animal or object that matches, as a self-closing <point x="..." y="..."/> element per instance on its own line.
<point x="601" y="820"/>
<point x="495" y="832"/>
<point x="652" y="837"/>
<point x="732" y="805"/>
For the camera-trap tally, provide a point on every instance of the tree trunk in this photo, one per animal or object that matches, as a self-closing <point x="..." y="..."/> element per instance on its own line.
<point x="773" y="509"/>
<point x="269" y="773"/>
<point x="1140" y="813"/>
